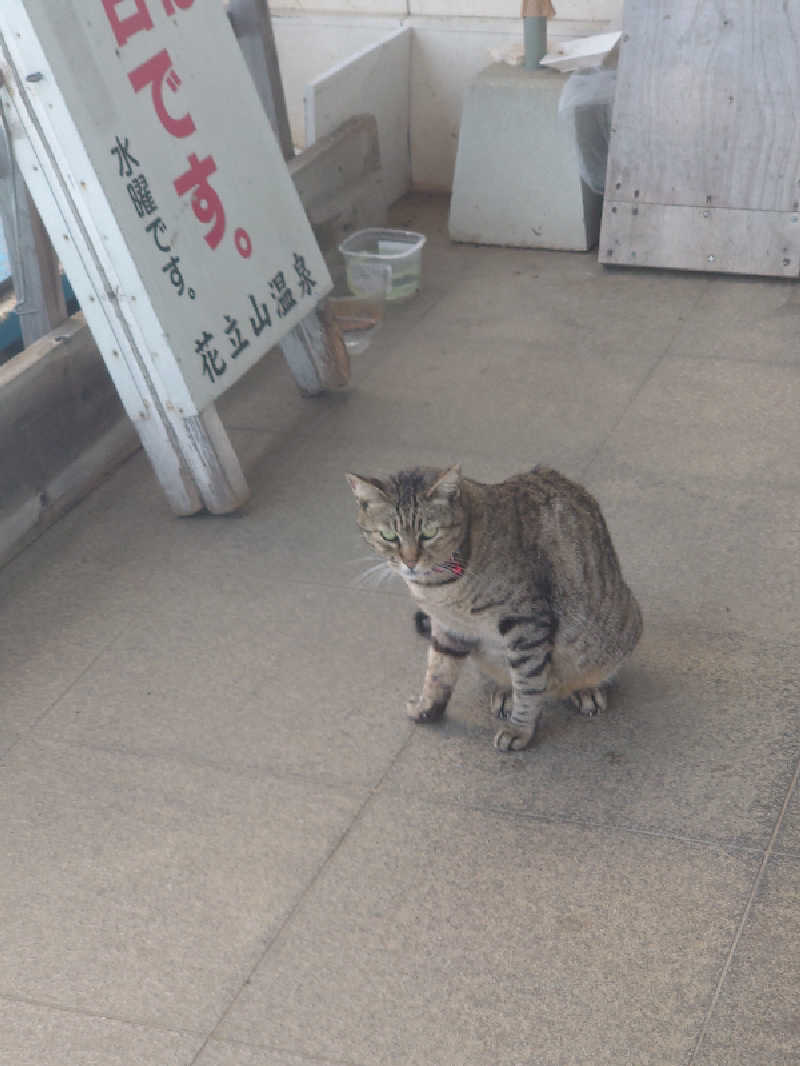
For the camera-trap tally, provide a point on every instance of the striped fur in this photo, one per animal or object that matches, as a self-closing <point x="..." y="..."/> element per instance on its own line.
<point x="520" y="575"/>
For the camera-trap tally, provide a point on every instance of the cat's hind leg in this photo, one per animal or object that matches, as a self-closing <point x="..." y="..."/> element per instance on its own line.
<point x="528" y="647"/>
<point x="588" y="701"/>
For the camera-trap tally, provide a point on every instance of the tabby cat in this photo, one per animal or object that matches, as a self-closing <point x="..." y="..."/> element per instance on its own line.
<point x="522" y="575"/>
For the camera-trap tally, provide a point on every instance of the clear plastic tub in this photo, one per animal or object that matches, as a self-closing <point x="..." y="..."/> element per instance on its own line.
<point x="384" y="262"/>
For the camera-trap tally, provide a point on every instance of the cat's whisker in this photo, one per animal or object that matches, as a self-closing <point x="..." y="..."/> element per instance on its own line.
<point x="374" y="576"/>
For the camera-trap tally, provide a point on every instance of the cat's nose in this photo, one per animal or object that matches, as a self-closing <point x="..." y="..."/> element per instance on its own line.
<point x="410" y="557"/>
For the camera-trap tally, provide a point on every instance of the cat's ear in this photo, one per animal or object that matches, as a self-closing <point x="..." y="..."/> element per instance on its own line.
<point x="366" y="489"/>
<point x="447" y="484"/>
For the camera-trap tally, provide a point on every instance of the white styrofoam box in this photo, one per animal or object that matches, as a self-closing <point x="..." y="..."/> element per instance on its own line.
<point x="309" y="45"/>
<point x="375" y="80"/>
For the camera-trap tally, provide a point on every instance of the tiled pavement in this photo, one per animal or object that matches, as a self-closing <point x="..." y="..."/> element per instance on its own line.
<point x="223" y="844"/>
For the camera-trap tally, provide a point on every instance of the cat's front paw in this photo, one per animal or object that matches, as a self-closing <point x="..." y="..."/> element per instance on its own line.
<point x="512" y="737"/>
<point x="420" y="711"/>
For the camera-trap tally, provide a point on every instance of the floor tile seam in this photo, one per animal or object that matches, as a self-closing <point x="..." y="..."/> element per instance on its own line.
<point x="342" y="786"/>
<point x="734" y="360"/>
<point x="708" y="486"/>
<point x="302" y="895"/>
<point x="739" y="932"/>
<point x="102" y="1016"/>
<point x="722" y="845"/>
<point x="41" y="718"/>
<point x="657" y="362"/>
<point x="235" y="1042"/>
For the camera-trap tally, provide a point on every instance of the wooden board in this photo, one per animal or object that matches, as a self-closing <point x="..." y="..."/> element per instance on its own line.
<point x="702" y="238"/>
<point x="705" y="117"/>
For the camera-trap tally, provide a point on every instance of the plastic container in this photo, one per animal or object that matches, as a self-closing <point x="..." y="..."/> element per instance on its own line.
<point x="384" y="262"/>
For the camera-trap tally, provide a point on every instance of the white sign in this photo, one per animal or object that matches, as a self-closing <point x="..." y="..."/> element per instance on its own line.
<point x="182" y="151"/>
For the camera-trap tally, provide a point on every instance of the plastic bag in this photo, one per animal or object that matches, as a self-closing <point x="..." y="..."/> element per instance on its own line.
<point x="586" y="102"/>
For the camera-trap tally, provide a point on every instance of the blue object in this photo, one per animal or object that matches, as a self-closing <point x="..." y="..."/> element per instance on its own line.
<point x="11" y="332"/>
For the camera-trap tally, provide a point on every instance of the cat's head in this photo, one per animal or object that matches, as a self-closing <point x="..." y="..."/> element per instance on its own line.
<point x="416" y="519"/>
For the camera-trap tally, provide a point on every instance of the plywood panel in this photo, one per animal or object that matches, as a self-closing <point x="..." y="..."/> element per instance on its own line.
<point x="702" y="238"/>
<point x="706" y="115"/>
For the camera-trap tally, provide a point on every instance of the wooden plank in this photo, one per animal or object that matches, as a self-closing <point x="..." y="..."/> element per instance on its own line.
<point x="706" y="104"/>
<point x="702" y="238"/>
<point x="311" y="349"/>
<point x="252" y="26"/>
<point x="705" y="116"/>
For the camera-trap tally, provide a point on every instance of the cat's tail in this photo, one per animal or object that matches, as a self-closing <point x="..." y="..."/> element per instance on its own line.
<point x="422" y="624"/>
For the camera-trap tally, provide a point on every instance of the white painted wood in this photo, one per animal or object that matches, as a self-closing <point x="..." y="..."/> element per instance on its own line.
<point x="375" y="79"/>
<point x="81" y="251"/>
<point x="225" y="484"/>
<point x="705" y="116"/>
<point x="163" y="378"/>
<point x="34" y="264"/>
<point x="146" y="111"/>
<point x="51" y="172"/>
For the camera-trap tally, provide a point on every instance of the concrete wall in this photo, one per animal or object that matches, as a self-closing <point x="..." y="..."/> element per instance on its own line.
<point x="585" y="10"/>
<point x="450" y="44"/>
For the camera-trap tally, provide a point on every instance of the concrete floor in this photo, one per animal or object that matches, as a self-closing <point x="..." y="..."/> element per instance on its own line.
<point x="223" y="844"/>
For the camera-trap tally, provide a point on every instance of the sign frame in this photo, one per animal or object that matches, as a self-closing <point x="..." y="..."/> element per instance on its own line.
<point x="188" y="447"/>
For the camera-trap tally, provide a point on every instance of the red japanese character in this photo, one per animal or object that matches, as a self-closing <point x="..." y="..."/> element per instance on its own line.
<point x="126" y="26"/>
<point x="155" y="72"/>
<point x="206" y="204"/>
<point x="170" y="5"/>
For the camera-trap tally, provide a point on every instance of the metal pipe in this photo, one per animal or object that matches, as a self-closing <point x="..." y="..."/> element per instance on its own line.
<point x="534" y="34"/>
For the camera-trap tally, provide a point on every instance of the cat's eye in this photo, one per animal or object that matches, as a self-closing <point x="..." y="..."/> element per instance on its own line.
<point x="390" y="536"/>
<point x="428" y="532"/>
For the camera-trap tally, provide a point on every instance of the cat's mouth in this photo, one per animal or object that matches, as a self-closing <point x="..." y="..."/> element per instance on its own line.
<point x="440" y="573"/>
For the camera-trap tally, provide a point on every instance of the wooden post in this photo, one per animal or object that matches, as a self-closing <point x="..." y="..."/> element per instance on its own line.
<point x="313" y="349"/>
<point x="253" y="28"/>
<point x="34" y="265"/>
